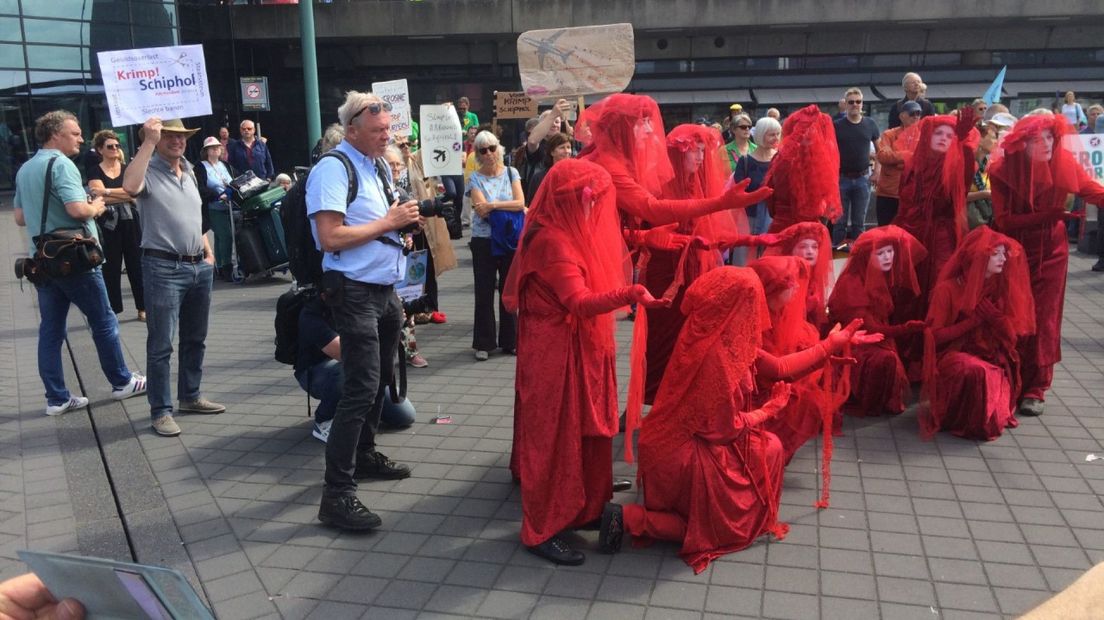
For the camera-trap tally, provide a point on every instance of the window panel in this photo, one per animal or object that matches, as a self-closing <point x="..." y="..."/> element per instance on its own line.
<point x="56" y="57"/>
<point x="69" y="9"/>
<point x="154" y="37"/>
<point x="154" y="15"/>
<point x="9" y="29"/>
<point x="11" y="56"/>
<point x="55" y="31"/>
<point x="12" y="78"/>
<point x="10" y="7"/>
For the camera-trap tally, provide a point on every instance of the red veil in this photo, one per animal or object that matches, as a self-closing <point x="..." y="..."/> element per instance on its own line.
<point x="932" y="177"/>
<point x="823" y="274"/>
<point x="1009" y="290"/>
<point x="618" y="143"/>
<point x="1035" y="185"/>
<point x="726" y="314"/>
<point x="805" y="172"/>
<point x="574" y="215"/>
<point x="789" y="331"/>
<point x="876" y="293"/>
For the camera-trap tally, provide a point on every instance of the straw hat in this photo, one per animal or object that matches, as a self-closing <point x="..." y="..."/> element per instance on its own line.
<point x="173" y="125"/>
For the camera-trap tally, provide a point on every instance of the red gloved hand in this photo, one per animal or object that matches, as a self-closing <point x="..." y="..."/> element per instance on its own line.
<point x="639" y="294"/>
<point x="843" y="361"/>
<point x="737" y="196"/>
<point x="840" y="336"/>
<point x="665" y="238"/>
<point x="768" y="239"/>
<point x="698" y="242"/>
<point x="966" y="121"/>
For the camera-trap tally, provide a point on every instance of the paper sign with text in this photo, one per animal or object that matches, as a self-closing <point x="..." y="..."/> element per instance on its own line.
<point x="397" y="94"/>
<point x="514" y="104"/>
<point x="1091" y="154"/>
<point x="568" y="62"/>
<point x="169" y="82"/>
<point x="442" y="147"/>
<point x="413" y="285"/>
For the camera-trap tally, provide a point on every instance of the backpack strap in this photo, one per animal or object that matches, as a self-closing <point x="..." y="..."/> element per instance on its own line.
<point x="350" y="172"/>
<point x="46" y="189"/>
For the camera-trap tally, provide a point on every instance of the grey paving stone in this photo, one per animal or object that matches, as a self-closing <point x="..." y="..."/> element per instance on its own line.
<point x="507" y="605"/>
<point x="788" y="605"/>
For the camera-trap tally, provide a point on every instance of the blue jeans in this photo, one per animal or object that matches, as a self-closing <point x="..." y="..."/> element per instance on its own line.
<point x="855" y="196"/>
<point x="326" y="380"/>
<point x="759" y="221"/>
<point x="88" y="293"/>
<point x="177" y="294"/>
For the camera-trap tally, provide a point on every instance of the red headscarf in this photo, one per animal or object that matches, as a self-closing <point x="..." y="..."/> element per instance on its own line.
<point x="706" y="180"/>
<point x="1010" y="291"/>
<point x="1037" y="184"/>
<point x="708" y="373"/>
<point x="805" y="172"/>
<point x="790" y="332"/>
<point x="862" y="266"/>
<point x="628" y="133"/>
<point x="574" y="215"/>
<point x="933" y="176"/>
<point x="823" y="274"/>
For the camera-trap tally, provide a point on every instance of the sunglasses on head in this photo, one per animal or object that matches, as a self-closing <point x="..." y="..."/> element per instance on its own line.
<point x="488" y="149"/>
<point x="372" y="108"/>
<point x="854" y="101"/>
<point x="743" y="126"/>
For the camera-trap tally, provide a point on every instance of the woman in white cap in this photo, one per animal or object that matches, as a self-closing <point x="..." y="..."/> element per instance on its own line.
<point x="213" y="176"/>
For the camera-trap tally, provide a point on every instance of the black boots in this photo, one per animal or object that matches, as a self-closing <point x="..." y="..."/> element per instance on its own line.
<point x="613" y="529"/>
<point x="557" y="551"/>
<point x="378" y="467"/>
<point x="347" y="513"/>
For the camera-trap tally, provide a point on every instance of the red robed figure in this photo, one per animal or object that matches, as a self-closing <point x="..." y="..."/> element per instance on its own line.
<point x="805" y="172"/>
<point x="811" y="242"/>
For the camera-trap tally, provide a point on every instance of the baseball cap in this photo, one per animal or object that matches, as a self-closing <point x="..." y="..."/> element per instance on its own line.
<point x="911" y="106"/>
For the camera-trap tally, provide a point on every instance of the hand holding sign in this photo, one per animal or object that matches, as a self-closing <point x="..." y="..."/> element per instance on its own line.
<point x="568" y="62"/>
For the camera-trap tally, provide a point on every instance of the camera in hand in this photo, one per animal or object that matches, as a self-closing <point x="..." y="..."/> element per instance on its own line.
<point x="430" y="207"/>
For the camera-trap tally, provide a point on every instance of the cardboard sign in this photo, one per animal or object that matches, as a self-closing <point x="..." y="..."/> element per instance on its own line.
<point x="397" y="94"/>
<point x="413" y="285"/>
<point x="168" y="82"/>
<point x="254" y="93"/>
<point x="442" y="147"/>
<point x="568" y="62"/>
<point x="514" y="104"/>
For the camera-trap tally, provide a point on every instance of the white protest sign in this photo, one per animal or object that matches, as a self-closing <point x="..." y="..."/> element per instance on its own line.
<point x="568" y="62"/>
<point x="169" y="82"/>
<point x="413" y="285"/>
<point x="396" y="93"/>
<point x="442" y="150"/>
<point x="1091" y="154"/>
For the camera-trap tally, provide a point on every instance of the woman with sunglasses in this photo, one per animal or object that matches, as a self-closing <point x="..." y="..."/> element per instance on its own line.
<point x="741" y="144"/>
<point x="120" y="230"/>
<point x="494" y="187"/>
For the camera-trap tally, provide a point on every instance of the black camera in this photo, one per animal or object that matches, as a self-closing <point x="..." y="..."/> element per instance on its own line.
<point x="430" y="207"/>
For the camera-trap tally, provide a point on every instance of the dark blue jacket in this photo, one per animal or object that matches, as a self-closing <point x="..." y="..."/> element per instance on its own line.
<point x="262" y="166"/>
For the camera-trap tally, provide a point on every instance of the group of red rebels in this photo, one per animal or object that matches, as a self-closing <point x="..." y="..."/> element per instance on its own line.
<point x="743" y="365"/>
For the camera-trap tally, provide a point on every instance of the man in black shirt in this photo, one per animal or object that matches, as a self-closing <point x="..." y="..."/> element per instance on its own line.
<point x="855" y="137"/>
<point x="911" y="84"/>
<point x="318" y="371"/>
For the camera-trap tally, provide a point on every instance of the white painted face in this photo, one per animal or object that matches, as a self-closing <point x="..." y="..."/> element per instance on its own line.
<point x="885" y="255"/>
<point x="997" y="261"/>
<point x="807" y="249"/>
<point x="643" y="129"/>
<point x="1041" y="148"/>
<point x="941" y="138"/>
<point x="694" y="157"/>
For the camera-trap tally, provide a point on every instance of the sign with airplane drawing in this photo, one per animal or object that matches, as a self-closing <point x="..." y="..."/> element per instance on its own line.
<point x="569" y="62"/>
<point x="442" y="147"/>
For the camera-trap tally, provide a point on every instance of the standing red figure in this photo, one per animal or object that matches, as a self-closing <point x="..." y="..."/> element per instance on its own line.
<point x="805" y="172"/>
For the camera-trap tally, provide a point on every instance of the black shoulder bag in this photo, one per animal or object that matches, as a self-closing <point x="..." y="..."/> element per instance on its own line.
<point x="64" y="251"/>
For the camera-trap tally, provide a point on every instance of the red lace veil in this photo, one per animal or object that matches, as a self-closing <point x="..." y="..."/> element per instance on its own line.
<point x="617" y="143"/>
<point x="1009" y="290"/>
<point x="726" y="314"/>
<point x="1034" y="184"/>
<point x="574" y="217"/>
<point x="805" y="172"/>
<point x="705" y="181"/>
<point x="877" y="285"/>
<point x="823" y="274"/>
<point x="789" y="332"/>
<point x="930" y="175"/>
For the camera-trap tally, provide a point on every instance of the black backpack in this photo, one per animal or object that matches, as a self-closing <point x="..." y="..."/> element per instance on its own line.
<point x="304" y="257"/>
<point x="288" y="307"/>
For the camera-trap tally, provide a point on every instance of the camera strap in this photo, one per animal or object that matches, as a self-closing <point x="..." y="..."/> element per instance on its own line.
<point x="47" y="188"/>
<point x="385" y="183"/>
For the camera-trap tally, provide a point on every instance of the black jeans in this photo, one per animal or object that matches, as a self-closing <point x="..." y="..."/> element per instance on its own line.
<point x="486" y="267"/>
<point x="886" y="209"/>
<point x="119" y="245"/>
<point x="368" y="320"/>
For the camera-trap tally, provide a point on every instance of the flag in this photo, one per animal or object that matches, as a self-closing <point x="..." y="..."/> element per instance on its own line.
<point x="993" y="95"/>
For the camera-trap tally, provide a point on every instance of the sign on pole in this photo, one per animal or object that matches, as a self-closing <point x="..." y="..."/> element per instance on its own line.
<point x="514" y="104"/>
<point x="169" y="82"/>
<point x="397" y="94"/>
<point x="254" y="93"/>
<point x="568" y="62"/>
<point x="442" y="150"/>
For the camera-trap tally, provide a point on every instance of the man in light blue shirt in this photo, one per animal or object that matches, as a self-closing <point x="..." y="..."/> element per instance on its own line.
<point x="68" y="207"/>
<point x="363" y="261"/>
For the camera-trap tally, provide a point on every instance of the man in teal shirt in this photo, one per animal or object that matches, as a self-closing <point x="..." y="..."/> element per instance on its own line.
<point x="68" y="207"/>
<point x="467" y="117"/>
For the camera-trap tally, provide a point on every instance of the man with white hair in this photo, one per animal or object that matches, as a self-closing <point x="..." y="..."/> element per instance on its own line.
<point x="911" y="84"/>
<point x="363" y="261"/>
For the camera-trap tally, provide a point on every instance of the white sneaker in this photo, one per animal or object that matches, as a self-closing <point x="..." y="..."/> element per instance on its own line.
<point x="136" y="386"/>
<point x="482" y="356"/>
<point x="321" y="430"/>
<point x="75" y="402"/>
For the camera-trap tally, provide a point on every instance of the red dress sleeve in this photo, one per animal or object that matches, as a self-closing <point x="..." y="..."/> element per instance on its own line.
<point x="790" y="367"/>
<point x="633" y="199"/>
<point x="567" y="282"/>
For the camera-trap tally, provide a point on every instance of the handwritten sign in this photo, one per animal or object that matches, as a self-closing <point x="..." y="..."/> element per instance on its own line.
<point x="442" y="150"/>
<point x="397" y="94"/>
<point x="169" y="82"/>
<point x="514" y="104"/>
<point x="568" y="62"/>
